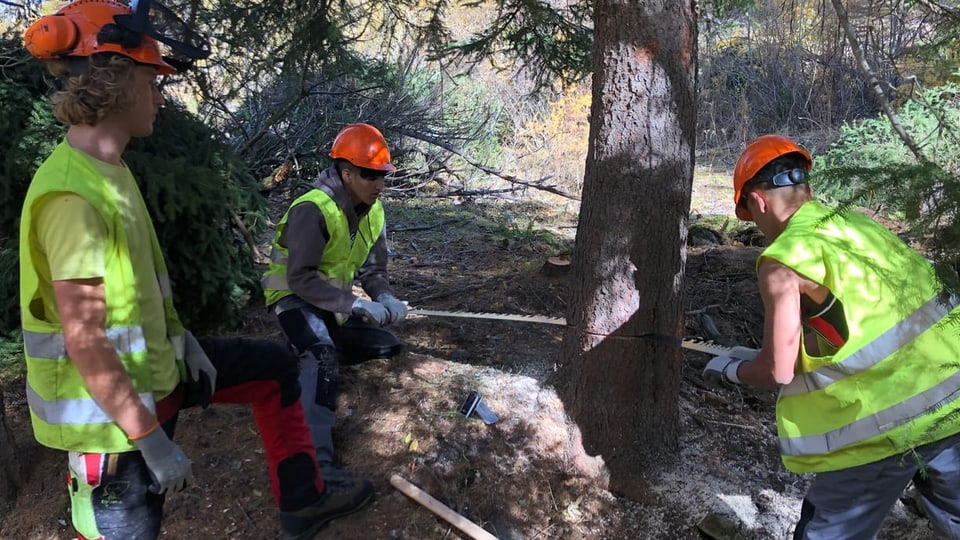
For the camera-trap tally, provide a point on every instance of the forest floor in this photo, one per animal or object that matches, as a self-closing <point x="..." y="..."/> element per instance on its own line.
<point x="522" y="477"/>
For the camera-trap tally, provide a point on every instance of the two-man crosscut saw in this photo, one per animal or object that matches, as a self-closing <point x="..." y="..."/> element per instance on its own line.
<point x="700" y="345"/>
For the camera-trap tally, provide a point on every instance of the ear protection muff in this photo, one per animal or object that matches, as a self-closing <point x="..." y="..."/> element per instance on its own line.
<point x="51" y="36"/>
<point x="789" y="178"/>
<point x="114" y="33"/>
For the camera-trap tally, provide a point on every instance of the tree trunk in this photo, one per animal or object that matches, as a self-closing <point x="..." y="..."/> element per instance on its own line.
<point x="619" y="376"/>
<point x="9" y="464"/>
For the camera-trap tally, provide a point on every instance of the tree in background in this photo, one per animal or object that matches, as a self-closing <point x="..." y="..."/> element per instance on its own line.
<point x="28" y="132"/>
<point x="619" y="377"/>
<point x="906" y="163"/>
<point x="785" y="65"/>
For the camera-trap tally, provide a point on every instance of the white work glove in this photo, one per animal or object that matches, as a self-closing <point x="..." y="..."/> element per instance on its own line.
<point x="397" y="309"/>
<point x="371" y="312"/>
<point x="169" y="467"/>
<point x="743" y="353"/>
<point x="203" y="376"/>
<point x="722" y="370"/>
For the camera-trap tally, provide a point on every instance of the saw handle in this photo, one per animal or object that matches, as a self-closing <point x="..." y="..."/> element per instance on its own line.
<point x="470" y="528"/>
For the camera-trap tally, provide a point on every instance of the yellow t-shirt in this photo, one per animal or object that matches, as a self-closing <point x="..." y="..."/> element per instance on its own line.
<point x="72" y="238"/>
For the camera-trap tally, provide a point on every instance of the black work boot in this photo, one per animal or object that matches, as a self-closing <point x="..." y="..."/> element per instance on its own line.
<point x="339" y="498"/>
<point x="335" y="476"/>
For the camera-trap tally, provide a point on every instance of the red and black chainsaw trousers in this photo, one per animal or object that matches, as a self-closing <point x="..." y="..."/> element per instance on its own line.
<point x="109" y="492"/>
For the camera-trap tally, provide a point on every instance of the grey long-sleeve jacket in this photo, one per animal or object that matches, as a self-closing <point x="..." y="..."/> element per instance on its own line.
<point x="305" y="238"/>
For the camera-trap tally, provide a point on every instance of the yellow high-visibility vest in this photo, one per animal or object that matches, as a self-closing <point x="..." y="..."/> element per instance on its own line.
<point x="341" y="257"/>
<point x="64" y="414"/>
<point x="895" y="381"/>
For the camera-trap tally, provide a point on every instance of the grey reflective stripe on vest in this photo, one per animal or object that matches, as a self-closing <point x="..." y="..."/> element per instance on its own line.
<point x="43" y="346"/>
<point x="274" y="282"/>
<point x="875" y="424"/>
<point x="874" y="352"/>
<point x="75" y="412"/>
<point x="165" y="289"/>
<point x="278" y="282"/>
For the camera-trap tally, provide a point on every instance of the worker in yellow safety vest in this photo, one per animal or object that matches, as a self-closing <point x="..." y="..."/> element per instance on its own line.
<point x="854" y="339"/>
<point x="109" y="365"/>
<point x="330" y="237"/>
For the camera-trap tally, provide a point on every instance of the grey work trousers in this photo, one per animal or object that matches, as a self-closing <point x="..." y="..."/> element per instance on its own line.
<point x="315" y="335"/>
<point x="850" y="504"/>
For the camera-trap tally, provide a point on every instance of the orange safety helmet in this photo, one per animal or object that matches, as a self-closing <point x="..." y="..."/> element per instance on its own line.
<point x="363" y="146"/>
<point x="755" y="156"/>
<point x="85" y="27"/>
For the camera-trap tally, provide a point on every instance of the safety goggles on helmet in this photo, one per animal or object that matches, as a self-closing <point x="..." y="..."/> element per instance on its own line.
<point x="157" y="21"/>
<point x="788" y="178"/>
<point x="85" y="27"/>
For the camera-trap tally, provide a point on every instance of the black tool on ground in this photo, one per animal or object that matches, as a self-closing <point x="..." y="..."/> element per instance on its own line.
<point x="474" y="405"/>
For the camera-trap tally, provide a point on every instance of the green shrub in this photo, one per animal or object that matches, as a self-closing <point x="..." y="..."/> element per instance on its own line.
<point x="11" y="356"/>
<point x="869" y="165"/>
<point x="195" y="186"/>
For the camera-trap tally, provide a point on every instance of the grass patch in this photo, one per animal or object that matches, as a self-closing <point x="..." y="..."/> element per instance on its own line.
<point x="11" y="356"/>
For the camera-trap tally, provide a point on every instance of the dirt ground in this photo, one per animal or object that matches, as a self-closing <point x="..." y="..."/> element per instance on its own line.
<point x="517" y="478"/>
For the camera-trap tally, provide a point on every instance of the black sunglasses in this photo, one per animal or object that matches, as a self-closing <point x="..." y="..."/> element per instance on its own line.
<point x="371" y="174"/>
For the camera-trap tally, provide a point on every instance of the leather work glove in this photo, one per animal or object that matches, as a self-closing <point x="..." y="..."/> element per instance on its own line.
<point x="169" y="467"/>
<point x="722" y="370"/>
<point x="396" y="308"/>
<point x="371" y="312"/>
<point x="203" y="376"/>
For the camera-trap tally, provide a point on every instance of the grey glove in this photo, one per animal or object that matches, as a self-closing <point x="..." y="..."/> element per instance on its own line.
<point x="203" y="376"/>
<point x="169" y="467"/>
<point x="743" y="353"/>
<point x="722" y="370"/>
<point x="397" y="309"/>
<point x="371" y="312"/>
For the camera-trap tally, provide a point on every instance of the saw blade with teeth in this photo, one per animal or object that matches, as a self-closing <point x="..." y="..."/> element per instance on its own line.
<point x="699" y="345"/>
<point x="492" y="316"/>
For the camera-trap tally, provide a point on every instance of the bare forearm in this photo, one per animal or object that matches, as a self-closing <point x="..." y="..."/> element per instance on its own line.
<point x="110" y="385"/>
<point x="82" y="307"/>
<point x="758" y="373"/>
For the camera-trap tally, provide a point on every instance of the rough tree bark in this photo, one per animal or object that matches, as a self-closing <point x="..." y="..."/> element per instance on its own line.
<point x="9" y="464"/>
<point x="620" y="385"/>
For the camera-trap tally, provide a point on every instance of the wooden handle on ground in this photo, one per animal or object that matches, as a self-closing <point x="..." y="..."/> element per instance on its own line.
<point x="472" y="529"/>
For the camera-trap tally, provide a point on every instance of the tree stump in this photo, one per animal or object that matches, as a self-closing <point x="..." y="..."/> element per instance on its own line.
<point x="556" y="266"/>
<point x="9" y="463"/>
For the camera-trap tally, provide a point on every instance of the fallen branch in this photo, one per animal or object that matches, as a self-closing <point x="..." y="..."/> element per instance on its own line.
<point x="258" y="256"/>
<point x="423" y="227"/>
<point x="489" y="170"/>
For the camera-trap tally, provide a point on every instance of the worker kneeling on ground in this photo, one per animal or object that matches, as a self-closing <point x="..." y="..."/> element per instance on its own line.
<point x="330" y="237"/>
